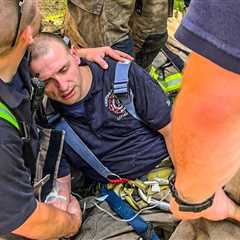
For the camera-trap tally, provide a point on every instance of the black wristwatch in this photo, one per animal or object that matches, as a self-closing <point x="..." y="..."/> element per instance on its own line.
<point x="184" y="206"/>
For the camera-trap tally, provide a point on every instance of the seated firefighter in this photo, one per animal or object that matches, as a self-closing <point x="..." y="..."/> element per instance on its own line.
<point x="86" y="97"/>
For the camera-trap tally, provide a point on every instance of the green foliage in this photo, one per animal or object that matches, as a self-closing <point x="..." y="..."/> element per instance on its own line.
<point x="179" y="5"/>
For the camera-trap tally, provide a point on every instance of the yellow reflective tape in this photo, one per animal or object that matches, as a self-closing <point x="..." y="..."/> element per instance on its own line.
<point x="175" y="76"/>
<point x="6" y="114"/>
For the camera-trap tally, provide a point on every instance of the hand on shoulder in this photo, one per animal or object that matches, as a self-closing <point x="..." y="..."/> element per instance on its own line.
<point x="97" y="55"/>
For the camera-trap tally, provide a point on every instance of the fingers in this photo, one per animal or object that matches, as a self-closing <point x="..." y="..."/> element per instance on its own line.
<point x="97" y="55"/>
<point x="73" y="206"/>
<point x="122" y="56"/>
<point x="101" y="62"/>
<point x="74" y="209"/>
<point x="118" y="55"/>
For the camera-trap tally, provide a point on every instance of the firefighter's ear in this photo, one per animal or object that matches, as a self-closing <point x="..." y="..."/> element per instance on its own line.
<point x="26" y="37"/>
<point x="75" y="54"/>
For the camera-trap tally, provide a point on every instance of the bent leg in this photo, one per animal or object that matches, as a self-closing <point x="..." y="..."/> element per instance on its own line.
<point x="149" y="30"/>
<point x="100" y="226"/>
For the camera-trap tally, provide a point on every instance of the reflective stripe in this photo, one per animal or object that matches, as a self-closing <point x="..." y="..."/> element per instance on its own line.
<point x="168" y="84"/>
<point x="173" y="82"/>
<point x="8" y="116"/>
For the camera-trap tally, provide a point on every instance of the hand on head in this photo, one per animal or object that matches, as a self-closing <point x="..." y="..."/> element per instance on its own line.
<point x="97" y="55"/>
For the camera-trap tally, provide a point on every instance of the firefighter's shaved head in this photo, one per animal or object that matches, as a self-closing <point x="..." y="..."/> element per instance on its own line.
<point x="9" y="19"/>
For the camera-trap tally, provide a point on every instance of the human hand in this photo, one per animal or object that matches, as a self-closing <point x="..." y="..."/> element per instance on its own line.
<point x="223" y="207"/>
<point x="97" y="55"/>
<point x="74" y="207"/>
<point x="59" y="203"/>
<point x="75" y="210"/>
<point x="56" y="200"/>
<point x="59" y="197"/>
<point x="76" y="215"/>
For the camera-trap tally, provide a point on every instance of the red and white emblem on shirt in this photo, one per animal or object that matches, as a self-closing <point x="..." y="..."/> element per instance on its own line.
<point x="115" y="106"/>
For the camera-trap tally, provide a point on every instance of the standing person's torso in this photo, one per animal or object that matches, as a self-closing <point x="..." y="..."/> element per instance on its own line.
<point x="17" y="198"/>
<point x="102" y="22"/>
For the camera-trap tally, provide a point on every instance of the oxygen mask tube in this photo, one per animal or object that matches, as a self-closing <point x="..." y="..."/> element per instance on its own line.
<point x="37" y="95"/>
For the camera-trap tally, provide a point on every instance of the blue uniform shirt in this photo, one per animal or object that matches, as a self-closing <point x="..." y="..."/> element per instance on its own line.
<point x="17" y="199"/>
<point x="125" y="145"/>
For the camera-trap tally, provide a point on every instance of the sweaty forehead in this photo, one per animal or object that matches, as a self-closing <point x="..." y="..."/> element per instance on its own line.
<point x="49" y="64"/>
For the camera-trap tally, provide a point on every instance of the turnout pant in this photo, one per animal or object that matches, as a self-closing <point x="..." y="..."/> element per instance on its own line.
<point x="98" y="225"/>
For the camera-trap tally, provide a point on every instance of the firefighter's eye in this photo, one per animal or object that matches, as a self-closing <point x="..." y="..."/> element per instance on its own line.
<point x="63" y="70"/>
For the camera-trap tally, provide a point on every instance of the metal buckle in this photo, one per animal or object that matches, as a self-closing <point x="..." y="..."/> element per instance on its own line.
<point x="41" y="182"/>
<point x="25" y="132"/>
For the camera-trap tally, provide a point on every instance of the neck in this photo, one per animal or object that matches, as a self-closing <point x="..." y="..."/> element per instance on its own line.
<point x="9" y="64"/>
<point x="86" y="80"/>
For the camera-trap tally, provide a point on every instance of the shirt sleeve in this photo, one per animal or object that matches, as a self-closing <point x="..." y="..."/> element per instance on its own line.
<point x="17" y="199"/>
<point x="151" y="103"/>
<point x="211" y="28"/>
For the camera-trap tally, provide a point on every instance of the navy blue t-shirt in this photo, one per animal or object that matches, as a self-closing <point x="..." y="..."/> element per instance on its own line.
<point x="17" y="198"/>
<point x="125" y="145"/>
<point x="211" y="28"/>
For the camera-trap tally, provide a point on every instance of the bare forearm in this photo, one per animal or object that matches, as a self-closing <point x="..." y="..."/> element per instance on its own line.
<point x="48" y="222"/>
<point x="205" y="133"/>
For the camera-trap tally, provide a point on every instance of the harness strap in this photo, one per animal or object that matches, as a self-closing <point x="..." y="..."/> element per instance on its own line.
<point x="76" y="143"/>
<point x="121" y="89"/>
<point x="120" y="85"/>
<point x="142" y="228"/>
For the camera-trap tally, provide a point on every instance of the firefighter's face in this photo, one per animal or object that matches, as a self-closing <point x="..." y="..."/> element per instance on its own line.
<point x="59" y="69"/>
